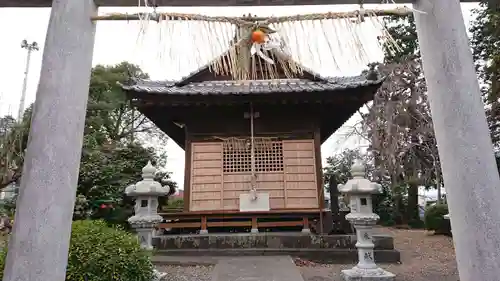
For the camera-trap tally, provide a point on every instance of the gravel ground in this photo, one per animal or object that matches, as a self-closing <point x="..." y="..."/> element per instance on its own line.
<point x="424" y="257"/>
<point x="187" y="273"/>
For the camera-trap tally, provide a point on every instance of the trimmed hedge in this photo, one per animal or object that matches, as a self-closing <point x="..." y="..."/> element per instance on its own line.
<point x="102" y="253"/>
<point x="434" y="220"/>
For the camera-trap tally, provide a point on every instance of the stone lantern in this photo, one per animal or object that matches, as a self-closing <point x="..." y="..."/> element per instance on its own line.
<point x="360" y="191"/>
<point x="146" y="193"/>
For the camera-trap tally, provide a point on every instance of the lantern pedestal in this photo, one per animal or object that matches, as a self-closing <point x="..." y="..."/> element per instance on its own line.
<point x="145" y="231"/>
<point x="366" y="269"/>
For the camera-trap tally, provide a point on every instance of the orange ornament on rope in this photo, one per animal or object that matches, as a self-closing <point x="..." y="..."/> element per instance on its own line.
<point x="258" y="36"/>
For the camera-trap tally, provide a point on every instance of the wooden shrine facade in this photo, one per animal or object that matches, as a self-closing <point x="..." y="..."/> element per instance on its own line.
<point x="287" y="159"/>
<point x="217" y="121"/>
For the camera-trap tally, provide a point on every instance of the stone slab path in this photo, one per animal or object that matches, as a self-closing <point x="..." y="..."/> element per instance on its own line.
<point x="186" y="260"/>
<point x="267" y="268"/>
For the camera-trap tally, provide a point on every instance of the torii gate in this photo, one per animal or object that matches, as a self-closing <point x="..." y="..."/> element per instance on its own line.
<point x="38" y="248"/>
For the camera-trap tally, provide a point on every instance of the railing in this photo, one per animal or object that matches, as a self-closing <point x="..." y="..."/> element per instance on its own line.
<point x="303" y="220"/>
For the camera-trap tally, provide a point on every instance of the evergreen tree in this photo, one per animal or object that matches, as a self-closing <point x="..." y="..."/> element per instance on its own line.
<point x="485" y="43"/>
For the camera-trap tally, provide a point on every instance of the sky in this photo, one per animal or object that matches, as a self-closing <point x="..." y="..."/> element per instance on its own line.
<point x="118" y="41"/>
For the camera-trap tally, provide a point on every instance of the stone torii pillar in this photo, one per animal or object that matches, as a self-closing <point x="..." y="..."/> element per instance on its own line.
<point x="38" y="246"/>
<point x="462" y="134"/>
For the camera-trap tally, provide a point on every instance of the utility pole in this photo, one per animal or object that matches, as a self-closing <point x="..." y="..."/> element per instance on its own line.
<point x="30" y="47"/>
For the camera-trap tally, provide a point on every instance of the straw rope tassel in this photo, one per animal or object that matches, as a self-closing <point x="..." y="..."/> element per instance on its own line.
<point x="290" y="38"/>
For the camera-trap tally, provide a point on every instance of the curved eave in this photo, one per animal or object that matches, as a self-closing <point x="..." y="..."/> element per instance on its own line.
<point x="335" y="106"/>
<point x="142" y="89"/>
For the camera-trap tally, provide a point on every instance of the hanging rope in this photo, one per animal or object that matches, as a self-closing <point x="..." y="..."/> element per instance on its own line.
<point x="253" y="180"/>
<point x="361" y="11"/>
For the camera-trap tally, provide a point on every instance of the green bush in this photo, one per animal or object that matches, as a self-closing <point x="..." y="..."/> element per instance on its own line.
<point x="102" y="253"/>
<point x="416" y="224"/>
<point x="3" y="255"/>
<point x="173" y="204"/>
<point x="384" y="207"/>
<point x="434" y="220"/>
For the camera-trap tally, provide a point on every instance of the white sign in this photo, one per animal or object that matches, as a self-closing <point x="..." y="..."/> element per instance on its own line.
<point x="247" y="204"/>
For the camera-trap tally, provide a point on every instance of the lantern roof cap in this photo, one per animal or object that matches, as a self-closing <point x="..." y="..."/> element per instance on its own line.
<point x="148" y="186"/>
<point x="359" y="184"/>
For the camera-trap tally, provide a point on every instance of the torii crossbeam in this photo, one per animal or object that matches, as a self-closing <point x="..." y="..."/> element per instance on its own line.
<point x="219" y="3"/>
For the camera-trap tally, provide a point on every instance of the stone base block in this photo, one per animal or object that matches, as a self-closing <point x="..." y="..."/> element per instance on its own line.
<point x="359" y="274"/>
<point x="306" y="230"/>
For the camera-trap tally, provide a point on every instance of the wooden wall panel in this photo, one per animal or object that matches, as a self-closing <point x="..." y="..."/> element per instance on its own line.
<point x="295" y="187"/>
<point x="236" y="184"/>
<point x="277" y="203"/>
<point x="206" y="187"/>
<point x="206" y="177"/>
<point x="206" y="205"/>
<point x="211" y="179"/>
<point x="205" y="156"/>
<point x="231" y="204"/>
<point x="206" y="164"/>
<point x="302" y="178"/>
<point x="300" y="203"/>
<point x="300" y="182"/>
<point x="298" y="154"/>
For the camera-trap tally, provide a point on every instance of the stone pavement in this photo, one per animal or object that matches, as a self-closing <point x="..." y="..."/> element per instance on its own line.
<point x="270" y="268"/>
<point x="161" y="260"/>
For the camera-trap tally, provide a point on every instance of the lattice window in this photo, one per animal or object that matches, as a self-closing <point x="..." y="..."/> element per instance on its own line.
<point x="269" y="156"/>
<point x="237" y="155"/>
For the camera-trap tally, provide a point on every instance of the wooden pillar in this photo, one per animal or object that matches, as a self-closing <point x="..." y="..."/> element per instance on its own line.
<point x="38" y="247"/>
<point x="305" y="224"/>
<point x="187" y="172"/>
<point x="255" y="226"/>
<point x="203" y="229"/>
<point x="465" y="149"/>
<point x="319" y="178"/>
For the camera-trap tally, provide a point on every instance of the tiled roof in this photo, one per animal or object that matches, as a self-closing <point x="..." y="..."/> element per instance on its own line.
<point x="250" y="86"/>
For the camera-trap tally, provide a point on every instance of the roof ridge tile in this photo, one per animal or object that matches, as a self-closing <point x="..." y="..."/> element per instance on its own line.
<point x="252" y="86"/>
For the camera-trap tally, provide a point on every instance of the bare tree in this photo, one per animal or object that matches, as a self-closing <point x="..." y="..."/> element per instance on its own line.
<point x="398" y="125"/>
